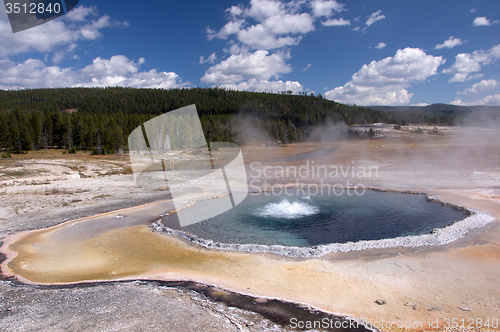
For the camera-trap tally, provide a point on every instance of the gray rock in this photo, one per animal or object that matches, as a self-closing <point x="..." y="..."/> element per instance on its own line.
<point x="435" y="309"/>
<point x="411" y="304"/>
<point x="464" y="309"/>
<point x="380" y="302"/>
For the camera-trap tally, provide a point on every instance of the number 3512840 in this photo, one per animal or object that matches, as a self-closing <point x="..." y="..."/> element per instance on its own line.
<point x="32" y="8"/>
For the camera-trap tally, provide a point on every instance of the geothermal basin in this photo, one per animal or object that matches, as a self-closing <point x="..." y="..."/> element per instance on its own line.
<point x="121" y="245"/>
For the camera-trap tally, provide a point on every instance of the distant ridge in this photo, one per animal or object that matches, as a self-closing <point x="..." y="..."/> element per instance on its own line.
<point x="480" y="115"/>
<point x="440" y="108"/>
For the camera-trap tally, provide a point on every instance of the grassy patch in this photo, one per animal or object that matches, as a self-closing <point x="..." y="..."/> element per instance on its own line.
<point x="57" y="191"/>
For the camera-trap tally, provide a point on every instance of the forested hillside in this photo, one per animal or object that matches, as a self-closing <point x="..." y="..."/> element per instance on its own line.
<point x="101" y="119"/>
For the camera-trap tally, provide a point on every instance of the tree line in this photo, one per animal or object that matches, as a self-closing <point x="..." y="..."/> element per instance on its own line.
<point x="101" y="119"/>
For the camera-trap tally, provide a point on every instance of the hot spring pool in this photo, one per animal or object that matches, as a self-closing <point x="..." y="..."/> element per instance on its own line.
<point x="294" y="221"/>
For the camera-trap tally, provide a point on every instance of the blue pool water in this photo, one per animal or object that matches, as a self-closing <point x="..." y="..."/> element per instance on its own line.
<point x="270" y="219"/>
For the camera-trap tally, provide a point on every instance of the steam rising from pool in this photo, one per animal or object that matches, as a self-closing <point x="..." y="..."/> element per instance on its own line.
<point x="287" y="210"/>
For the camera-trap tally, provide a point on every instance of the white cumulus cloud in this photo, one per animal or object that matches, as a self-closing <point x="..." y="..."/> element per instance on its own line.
<point x="116" y="71"/>
<point x="80" y="14"/>
<point x="484" y="85"/>
<point x="449" y="43"/>
<point x="381" y="45"/>
<point x="265" y="86"/>
<point x="336" y="22"/>
<point x="259" y="65"/>
<point x="289" y="24"/>
<point x="230" y="28"/>
<point x="273" y="24"/>
<point x="60" y="38"/>
<point x="491" y="100"/>
<point x="384" y="82"/>
<point x="326" y="8"/>
<point x="56" y="35"/>
<point x="33" y="73"/>
<point x="259" y="38"/>
<point x="261" y="9"/>
<point x="481" y="21"/>
<point x="267" y="24"/>
<point x="467" y="63"/>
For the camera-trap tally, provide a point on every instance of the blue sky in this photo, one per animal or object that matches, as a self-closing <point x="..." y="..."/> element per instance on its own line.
<point x="363" y="52"/>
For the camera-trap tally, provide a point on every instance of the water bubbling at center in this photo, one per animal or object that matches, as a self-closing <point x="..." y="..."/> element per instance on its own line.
<point x="287" y="210"/>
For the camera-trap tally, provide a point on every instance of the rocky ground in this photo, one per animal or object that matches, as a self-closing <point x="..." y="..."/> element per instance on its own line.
<point x="134" y="306"/>
<point x="42" y="192"/>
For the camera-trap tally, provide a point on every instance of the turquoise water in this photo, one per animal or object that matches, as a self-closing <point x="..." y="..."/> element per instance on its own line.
<point x="270" y="219"/>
